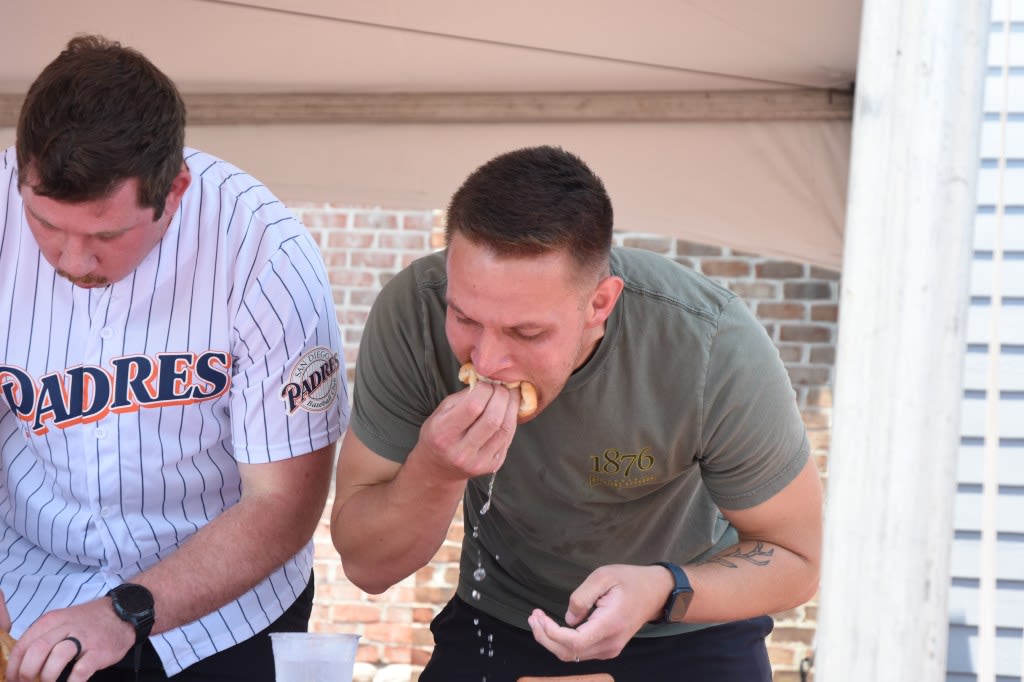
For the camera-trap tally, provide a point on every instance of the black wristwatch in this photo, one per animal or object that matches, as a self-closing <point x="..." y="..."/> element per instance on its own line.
<point x="134" y="605"/>
<point x="679" y="598"/>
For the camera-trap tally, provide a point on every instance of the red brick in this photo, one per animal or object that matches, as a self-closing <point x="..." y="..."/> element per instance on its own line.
<point x="819" y="439"/>
<point x="355" y="317"/>
<point x="806" y="333"/>
<point x="685" y="248"/>
<point x="373" y="259"/>
<point x="363" y="297"/>
<point x="780" y="311"/>
<point x="398" y="614"/>
<point x="396" y="654"/>
<point x="824" y="273"/>
<point x="420" y="222"/>
<point x="814" y="420"/>
<point x="823" y="355"/>
<point x="338" y="239"/>
<point x="792" y="634"/>
<point x="422" y="637"/>
<point x="825" y="312"/>
<point x="656" y="244"/>
<point x="352" y="278"/>
<point x="434" y="595"/>
<point x="808" y="376"/>
<point x="821" y="397"/>
<point x="377" y="220"/>
<point x="807" y="290"/>
<point x="725" y="268"/>
<point x="389" y="633"/>
<point x="422" y="615"/>
<point x="780" y="270"/>
<point x="328" y="219"/>
<point x="782" y="655"/>
<point x="752" y="291"/>
<point x="791" y="352"/>
<point x="403" y="242"/>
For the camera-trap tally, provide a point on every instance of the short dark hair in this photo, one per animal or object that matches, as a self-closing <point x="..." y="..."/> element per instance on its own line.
<point x="535" y="200"/>
<point x="97" y="115"/>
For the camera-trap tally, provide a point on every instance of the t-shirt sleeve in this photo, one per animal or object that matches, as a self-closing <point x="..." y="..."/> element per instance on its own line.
<point x="397" y="383"/>
<point x="753" y="439"/>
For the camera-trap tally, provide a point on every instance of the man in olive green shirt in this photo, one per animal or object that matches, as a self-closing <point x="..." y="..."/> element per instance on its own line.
<point x="658" y="504"/>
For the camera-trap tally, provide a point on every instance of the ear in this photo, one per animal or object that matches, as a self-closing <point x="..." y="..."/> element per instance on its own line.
<point x="179" y="184"/>
<point x="603" y="300"/>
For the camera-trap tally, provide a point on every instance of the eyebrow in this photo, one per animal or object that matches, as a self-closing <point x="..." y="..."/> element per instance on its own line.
<point x="522" y="326"/>
<point x="103" y="234"/>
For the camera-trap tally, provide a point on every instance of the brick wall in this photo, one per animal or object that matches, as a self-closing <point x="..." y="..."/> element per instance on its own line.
<point x="364" y="247"/>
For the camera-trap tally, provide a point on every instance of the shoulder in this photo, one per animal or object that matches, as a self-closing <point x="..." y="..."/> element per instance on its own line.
<point x="657" y="281"/>
<point x="226" y="203"/>
<point x="219" y="182"/>
<point x="424" y="281"/>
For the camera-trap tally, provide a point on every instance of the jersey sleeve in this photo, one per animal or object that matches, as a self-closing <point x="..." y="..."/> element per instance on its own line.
<point x="289" y="394"/>
<point x="753" y="439"/>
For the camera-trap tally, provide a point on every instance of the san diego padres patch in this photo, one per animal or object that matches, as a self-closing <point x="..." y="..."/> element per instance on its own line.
<point x="313" y="381"/>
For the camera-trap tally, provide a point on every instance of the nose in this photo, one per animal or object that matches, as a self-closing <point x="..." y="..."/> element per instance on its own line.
<point x="489" y="355"/>
<point x="76" y="258"/>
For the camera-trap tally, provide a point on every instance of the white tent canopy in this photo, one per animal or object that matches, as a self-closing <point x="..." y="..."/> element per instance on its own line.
<point x="724" y="123"/>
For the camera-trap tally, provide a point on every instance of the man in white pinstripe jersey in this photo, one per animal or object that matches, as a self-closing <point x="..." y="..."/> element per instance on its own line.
<point x="171" y="390"/>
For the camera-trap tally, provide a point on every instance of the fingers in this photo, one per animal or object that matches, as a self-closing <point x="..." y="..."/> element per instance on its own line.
<point x="45" y="660"/>
<point x="561" y="641"/>
<point x="482" y="424"/>
<point x="64" y="654"/>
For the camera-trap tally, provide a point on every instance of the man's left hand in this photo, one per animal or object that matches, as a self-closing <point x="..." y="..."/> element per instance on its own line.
<point x="604" y="613"/>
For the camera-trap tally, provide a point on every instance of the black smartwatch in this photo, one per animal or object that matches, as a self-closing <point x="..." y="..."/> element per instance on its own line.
<point x="134" y="605"/>
<point x="679" y="598"/>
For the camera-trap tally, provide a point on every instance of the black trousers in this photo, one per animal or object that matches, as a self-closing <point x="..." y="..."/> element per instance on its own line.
<point x="472" y="646"/>
<point x="249" y="661"/>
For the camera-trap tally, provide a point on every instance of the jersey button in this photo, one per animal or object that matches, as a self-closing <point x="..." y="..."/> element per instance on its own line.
<point x="101" y="434"/>
<point x="106" y="332"/>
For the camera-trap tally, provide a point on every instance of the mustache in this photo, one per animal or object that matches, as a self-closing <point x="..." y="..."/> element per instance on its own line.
<point x="85" y="281"/>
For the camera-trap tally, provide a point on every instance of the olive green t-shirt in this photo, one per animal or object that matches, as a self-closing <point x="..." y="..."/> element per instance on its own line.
<point x="683" y="409"/>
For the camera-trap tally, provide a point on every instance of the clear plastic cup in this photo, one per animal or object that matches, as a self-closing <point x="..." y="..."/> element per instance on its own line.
<point x="314" y="656"/>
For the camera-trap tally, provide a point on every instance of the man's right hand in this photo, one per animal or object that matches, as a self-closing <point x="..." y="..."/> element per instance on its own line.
<point x="469" y="433"/>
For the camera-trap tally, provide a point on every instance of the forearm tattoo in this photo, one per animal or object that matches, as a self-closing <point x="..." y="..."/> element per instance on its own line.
<point x="757" y="555"/>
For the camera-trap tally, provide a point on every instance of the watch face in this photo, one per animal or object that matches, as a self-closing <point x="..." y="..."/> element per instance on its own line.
<point x="133" y="598"/>
<point x="680" y="605"/>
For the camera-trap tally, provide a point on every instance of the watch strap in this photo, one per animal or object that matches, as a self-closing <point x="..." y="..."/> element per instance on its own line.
<point x="682" y="592"/>
<point x="134" y="605"/>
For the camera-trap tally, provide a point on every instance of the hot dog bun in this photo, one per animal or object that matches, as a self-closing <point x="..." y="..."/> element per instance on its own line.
<point x="527" y="392"/>
<point x="6" y="643"/>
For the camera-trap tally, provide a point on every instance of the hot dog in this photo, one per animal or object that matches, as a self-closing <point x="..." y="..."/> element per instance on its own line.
<point x="527" y="392"/>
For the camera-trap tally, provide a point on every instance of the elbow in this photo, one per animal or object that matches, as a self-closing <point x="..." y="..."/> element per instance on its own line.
<point x="806" y="586"/>
<point x="809" y="588"/>
<point x="366" y="579"/>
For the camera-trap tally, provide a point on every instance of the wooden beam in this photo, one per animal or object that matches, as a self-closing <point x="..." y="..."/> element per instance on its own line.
<point x="892" y="470"/>
<point x="282" y="108"/>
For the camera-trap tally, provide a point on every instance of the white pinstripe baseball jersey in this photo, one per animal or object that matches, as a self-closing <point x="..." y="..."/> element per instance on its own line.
<point x="125" y="409"/>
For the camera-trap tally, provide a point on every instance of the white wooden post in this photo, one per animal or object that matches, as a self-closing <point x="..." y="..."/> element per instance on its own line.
<point x="896" y="416"/>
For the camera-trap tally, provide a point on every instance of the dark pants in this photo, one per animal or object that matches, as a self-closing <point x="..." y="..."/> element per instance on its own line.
<point x="470" y="645"/>
<point x="250" y="661"/>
